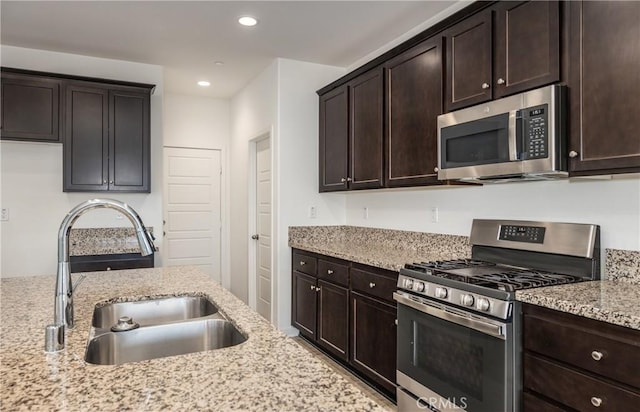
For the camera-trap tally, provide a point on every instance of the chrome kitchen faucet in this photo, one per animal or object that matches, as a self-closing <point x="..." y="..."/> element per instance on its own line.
<point x="63" y="308"/>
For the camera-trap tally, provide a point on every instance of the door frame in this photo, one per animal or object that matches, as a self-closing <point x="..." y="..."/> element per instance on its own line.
<point x="253" y="224"/>
<point x="225" y="275"/>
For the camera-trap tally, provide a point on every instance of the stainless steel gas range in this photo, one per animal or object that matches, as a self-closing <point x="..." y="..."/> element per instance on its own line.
<point x="459" y="325"/>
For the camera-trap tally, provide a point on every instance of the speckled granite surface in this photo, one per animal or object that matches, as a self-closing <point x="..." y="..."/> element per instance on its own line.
<point x="384" y="248"/>
<point x="609" y="301"/>
<point x="622" y="265"/>
<point x="269" y="372"/>
<point x="103" y="241"/>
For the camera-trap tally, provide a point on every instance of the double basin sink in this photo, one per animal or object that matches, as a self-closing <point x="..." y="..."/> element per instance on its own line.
<point x="125" y="332"/>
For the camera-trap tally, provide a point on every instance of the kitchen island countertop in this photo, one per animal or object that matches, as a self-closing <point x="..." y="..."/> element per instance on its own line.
<point x="269" y="372"/>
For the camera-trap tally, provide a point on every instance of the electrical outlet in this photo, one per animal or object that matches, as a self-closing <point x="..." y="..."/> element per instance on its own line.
<point x="434" y="215"/>
<point x="313" y="213"/>
<point x="4" y="216"/>
<point x="365" y="213"/>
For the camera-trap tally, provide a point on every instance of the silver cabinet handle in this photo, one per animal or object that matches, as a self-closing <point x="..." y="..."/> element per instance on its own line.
<point x="317" y="289"/>
<point x="349" y="179"/>
<point x="302" y="263"/>
<point x="343" y="180"/>
<point x="372" y="285"/>
<point x="573" y="154"/>
<point x="110" y="182"/>
<point x="329" y="272"/>
<point x="596" y="355"/>
<point x="104" y="182"/>
<point x="501" y="81"/>
<point x="313" y="287"/>
<point x="596" y="401"/>
<point x="435" y="169"/>
<point x="485" y="85"/>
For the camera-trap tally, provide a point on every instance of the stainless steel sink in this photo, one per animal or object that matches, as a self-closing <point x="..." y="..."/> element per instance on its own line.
<point x="156" y="328"/>
<point x="154" y="311"/>
<point x="159" y="341"/>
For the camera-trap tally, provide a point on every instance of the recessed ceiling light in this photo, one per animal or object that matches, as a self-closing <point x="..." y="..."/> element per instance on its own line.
<point x="247" y="21"/>
<point x="218" y="63"/>
<point x="204" y="83"/>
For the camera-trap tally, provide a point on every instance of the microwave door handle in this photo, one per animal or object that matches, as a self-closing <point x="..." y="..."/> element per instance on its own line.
<point x="515" y="134"/>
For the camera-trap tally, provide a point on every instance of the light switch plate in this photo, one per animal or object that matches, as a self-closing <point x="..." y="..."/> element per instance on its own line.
<point x="4" y="216"/>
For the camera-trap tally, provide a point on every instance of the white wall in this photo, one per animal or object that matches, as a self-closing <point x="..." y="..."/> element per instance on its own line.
<point x="32" y="172"/>
<point x="253" y="113"/>
<point x="297" y="168"/>
<point x="612" y="204"/>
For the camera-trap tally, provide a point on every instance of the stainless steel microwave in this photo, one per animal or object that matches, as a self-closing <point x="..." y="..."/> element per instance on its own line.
<point x="520" y="137"/>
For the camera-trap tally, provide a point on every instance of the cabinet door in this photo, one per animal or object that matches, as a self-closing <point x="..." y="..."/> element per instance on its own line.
<point x="414" y="101"/>
<point x="86" y="139"/>
<point x="305" y="297"/>
<point x="373" y="342"/>
<point x="333" y="319"/>
<point x="527" y="46"/>
<point x="334" y="139"/>
<point x="469" y="57"/>
<point x="129" y="142"/>
<point x="30" y="108"/>
<point x="604" y="90"/>
<point x="365" y="134"/>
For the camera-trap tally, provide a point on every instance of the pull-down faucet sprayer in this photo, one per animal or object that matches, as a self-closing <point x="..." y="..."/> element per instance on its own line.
<point x="63" y="309"/>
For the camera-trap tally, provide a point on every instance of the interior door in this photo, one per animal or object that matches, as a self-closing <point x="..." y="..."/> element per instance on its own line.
<point x="263" y="226"/>
<point x="192" y="203"/>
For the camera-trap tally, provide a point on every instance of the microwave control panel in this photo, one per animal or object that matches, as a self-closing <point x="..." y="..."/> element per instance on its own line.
<point x="536" y="131"/>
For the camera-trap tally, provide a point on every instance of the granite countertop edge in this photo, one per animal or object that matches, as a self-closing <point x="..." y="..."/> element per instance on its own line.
<point x="608" y="301"/>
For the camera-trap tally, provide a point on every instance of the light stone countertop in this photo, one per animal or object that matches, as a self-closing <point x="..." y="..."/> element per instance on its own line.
<point x="269" y="372"/>
<point x="615" y="302"/>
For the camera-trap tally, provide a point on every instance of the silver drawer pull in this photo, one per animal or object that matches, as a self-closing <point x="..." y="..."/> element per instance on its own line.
<point x="313" y="287"/>
<point x="372" y="285"/>
<point x="596" y="355"/>
<point x="596" y="401"/>
<point x="329" y="272"/>
<point x="302" y="263"/>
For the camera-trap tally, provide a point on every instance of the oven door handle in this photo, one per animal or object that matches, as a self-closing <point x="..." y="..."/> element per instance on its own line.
<point x="486" y="327"/>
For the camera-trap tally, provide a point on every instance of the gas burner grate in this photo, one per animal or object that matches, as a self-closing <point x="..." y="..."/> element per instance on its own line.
<point x="525" y="279"/>
<point x="447" y="264"/>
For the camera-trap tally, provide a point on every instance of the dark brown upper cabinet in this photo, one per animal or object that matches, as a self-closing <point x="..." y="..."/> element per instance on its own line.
<point x="526" y="46"/>
<point x="510" y="48"/>
<point x="413" y="102"/>
<point x="468" y="78"/>
<point x="30" y="108"/>
<point x="351" y="134"/>
<point x="604" y="92"/>
<point x="107" y="138"/>
<point x="365" y="132"/>
<point x="334" y="139"/>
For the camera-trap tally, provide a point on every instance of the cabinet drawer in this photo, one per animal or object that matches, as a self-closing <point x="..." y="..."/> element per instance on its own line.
<point x="333" y="272"/>
<point x="373" y="284"/>
<point x="531" y="403"/>
<point x="304" y="263"/>
<point x="598" y="347"/>
<point x="575" y="389"/>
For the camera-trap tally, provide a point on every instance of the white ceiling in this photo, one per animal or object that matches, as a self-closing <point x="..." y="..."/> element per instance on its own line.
<point x="188" y="37"/>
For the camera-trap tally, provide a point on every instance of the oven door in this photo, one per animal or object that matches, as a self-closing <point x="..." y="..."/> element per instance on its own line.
<point x="452" y="360"/>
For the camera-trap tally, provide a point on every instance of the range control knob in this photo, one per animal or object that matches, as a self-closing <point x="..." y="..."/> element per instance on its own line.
<point x="441" y="293"/>
<point x="419" y="286"/>
<point x="408" y="283"/>
<point x="483" y="304"/>
<point x="467" y="300"/>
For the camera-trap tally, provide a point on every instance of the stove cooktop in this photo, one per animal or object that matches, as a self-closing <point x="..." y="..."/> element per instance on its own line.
<point x="491" y="275"/>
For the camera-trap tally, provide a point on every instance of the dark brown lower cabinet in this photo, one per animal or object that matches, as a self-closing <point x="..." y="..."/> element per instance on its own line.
<point x="575" y="363"/>
<point x="373" y="347"/>
<point x="305" y="297"/>
<point x="333" y="319"/>
<point x="347" y="310"/>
